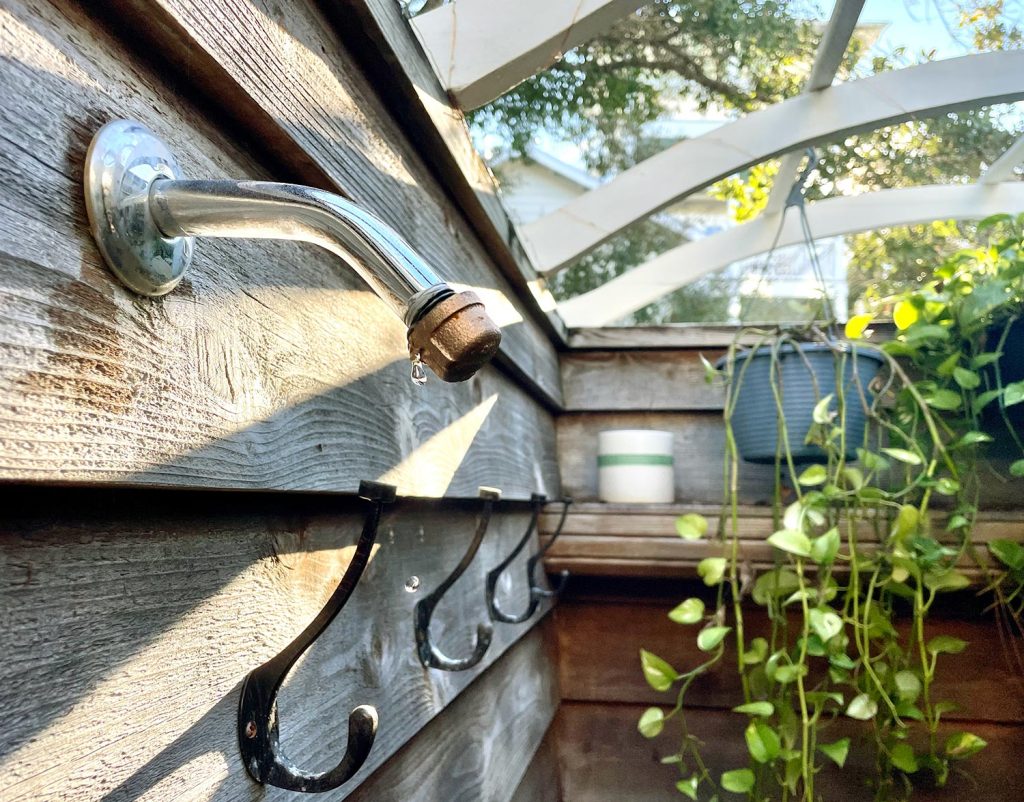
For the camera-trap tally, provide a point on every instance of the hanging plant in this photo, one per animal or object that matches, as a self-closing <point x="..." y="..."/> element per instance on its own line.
<point x="855" y="544"/>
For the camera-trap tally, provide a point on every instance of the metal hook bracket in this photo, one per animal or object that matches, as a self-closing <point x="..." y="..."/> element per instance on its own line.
<point x="536" y="591"/>
<point x="258" y="736"/>
<point x="430" y="656"/>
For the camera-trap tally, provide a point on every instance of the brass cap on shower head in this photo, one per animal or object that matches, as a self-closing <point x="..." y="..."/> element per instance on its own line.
<point x="455" y="338"/>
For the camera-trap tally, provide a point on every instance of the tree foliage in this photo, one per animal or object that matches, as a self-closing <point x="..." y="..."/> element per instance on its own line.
<point x="742" y="55"/>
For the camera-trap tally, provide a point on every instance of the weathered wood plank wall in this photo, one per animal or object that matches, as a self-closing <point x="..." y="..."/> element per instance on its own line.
<point x="129" y="619"/>
<point x="603" y="758"/>
<point x="272" y="366"/>
<point x="130" y="616"/>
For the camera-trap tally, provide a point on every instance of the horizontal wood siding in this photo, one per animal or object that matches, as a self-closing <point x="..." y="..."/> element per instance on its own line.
<point x="641" y="540"/>
<point x="129" y="619"/>
<point x="483" y="744"/>
<point x="603" y="758"/>
<point x="271" y="366"/>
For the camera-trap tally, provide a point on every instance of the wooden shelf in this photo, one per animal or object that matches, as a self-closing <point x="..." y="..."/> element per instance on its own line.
<point x="640" y="540"/>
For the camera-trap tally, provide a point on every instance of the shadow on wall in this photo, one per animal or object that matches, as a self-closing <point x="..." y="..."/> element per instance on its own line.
<point x="130" y="617"/>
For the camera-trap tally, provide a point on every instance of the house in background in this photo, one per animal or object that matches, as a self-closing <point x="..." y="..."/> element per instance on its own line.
<point x="775" y="289"/>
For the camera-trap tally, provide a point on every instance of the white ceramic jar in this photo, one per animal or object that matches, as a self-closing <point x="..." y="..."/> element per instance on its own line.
<point x="635" y="466"/>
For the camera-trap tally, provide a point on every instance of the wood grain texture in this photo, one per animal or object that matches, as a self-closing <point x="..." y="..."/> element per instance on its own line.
<point x="291" y="68"/>
<point x="129" y="619"/>
<point x="542" y="781"/>
<point x="604" y="759"/>
<point x="482" y="746"/>
<point x="271" y="366"/>
<point x="612" y="381"/>
<point x="698" y="449"/>
<point x="598" y="539"/>
<point x="980" y="680"/>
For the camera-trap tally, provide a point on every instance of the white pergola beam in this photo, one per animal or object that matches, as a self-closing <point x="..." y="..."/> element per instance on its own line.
<point x="482" y="48"/>
<point x="557" y="239"/>
<point x="834" y="42"/>
<point x="828" y="218"/>
<point x="1003" y="167"/>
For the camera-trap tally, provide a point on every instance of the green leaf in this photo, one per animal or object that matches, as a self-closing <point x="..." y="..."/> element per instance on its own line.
<point x="821" y="412"/>
<point x="946" y="644"/>
<point x="1008" y="552"/>
<point x="947" y="487"/>
<point x="691" y="526"/>
<point x="688" y="787"/>
<point x="837" y="751"/>
<point x="792" y="541"/>
<point x="762" y="742"/>
<point x="927" y="332"/>
<point x="689" y="612"/>
<point x="862" y="707"/>
<point x="908" y="711"/>
<point x="993" y="220"/>
<point x="710" y="637"/>
<point x="659" y="674"/>
<point x="902" y="455"/>
<point x="739" y="781"/>
<point x="962" y="745"/>
<point x="946" y="580"/>
<point x="825" y="623"/>
<point x="1013" y="394"/>
<point x="982" y="360"/>
<point x="871" y="460"/>
<point x="903" y="758"/>
<point x="972" y="438"/>
<point x="763" y="709"/>
<point x="774" y="583"/>
<point x="1017" y="468"/>
<point x="982" y="400"/>
<point x="711" y="570"/>
<point x="856" y="326"/>
<point x="710" y="371"/>
<point x="908" y="686"/>
<point x="651" y="722"/>
<point x="967" y="379"/>
<point x="905" y="315"/>
<point x="906" y="523"/>
<point x="786" y="674"/>
<point x="755" y="652"/>
<point x="825" y="548"/>
<point x="814" y="475"/>
<point x="946" y="400"/>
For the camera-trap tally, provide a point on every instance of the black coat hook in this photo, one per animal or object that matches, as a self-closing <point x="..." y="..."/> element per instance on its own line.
<point x="429" y="654"/>
<point x="536" y="592"/>
<point x="257" y="707"/>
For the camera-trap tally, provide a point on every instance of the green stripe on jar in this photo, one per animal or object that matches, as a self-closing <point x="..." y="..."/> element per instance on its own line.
<point x="609" y="460"/>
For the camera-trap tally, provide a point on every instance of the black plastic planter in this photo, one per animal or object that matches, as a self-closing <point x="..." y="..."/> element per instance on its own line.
<point x="755" y="420"/>
<point x="1011" y="370"/>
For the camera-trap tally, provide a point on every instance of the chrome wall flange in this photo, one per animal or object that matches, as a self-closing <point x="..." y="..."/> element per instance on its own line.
<point x="123" y="161"/>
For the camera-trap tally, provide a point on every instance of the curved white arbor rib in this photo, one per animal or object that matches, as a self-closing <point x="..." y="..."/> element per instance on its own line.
<point x="556" y="239"/>
<point x="482" y="48"/>
<point x="828" y="218"/>
<point x="1003" y="167"/>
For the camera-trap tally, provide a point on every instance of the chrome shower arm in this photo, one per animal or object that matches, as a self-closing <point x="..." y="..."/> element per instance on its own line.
<point x="264" y="210"/>
<point x="144" y="216"/>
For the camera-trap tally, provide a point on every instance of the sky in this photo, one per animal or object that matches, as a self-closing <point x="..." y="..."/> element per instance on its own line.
<point x="918" y="24"/>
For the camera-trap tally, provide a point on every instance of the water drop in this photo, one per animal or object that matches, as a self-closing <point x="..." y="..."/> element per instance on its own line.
<point x="412" y="584"/>
<point x="419" y="373"/>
